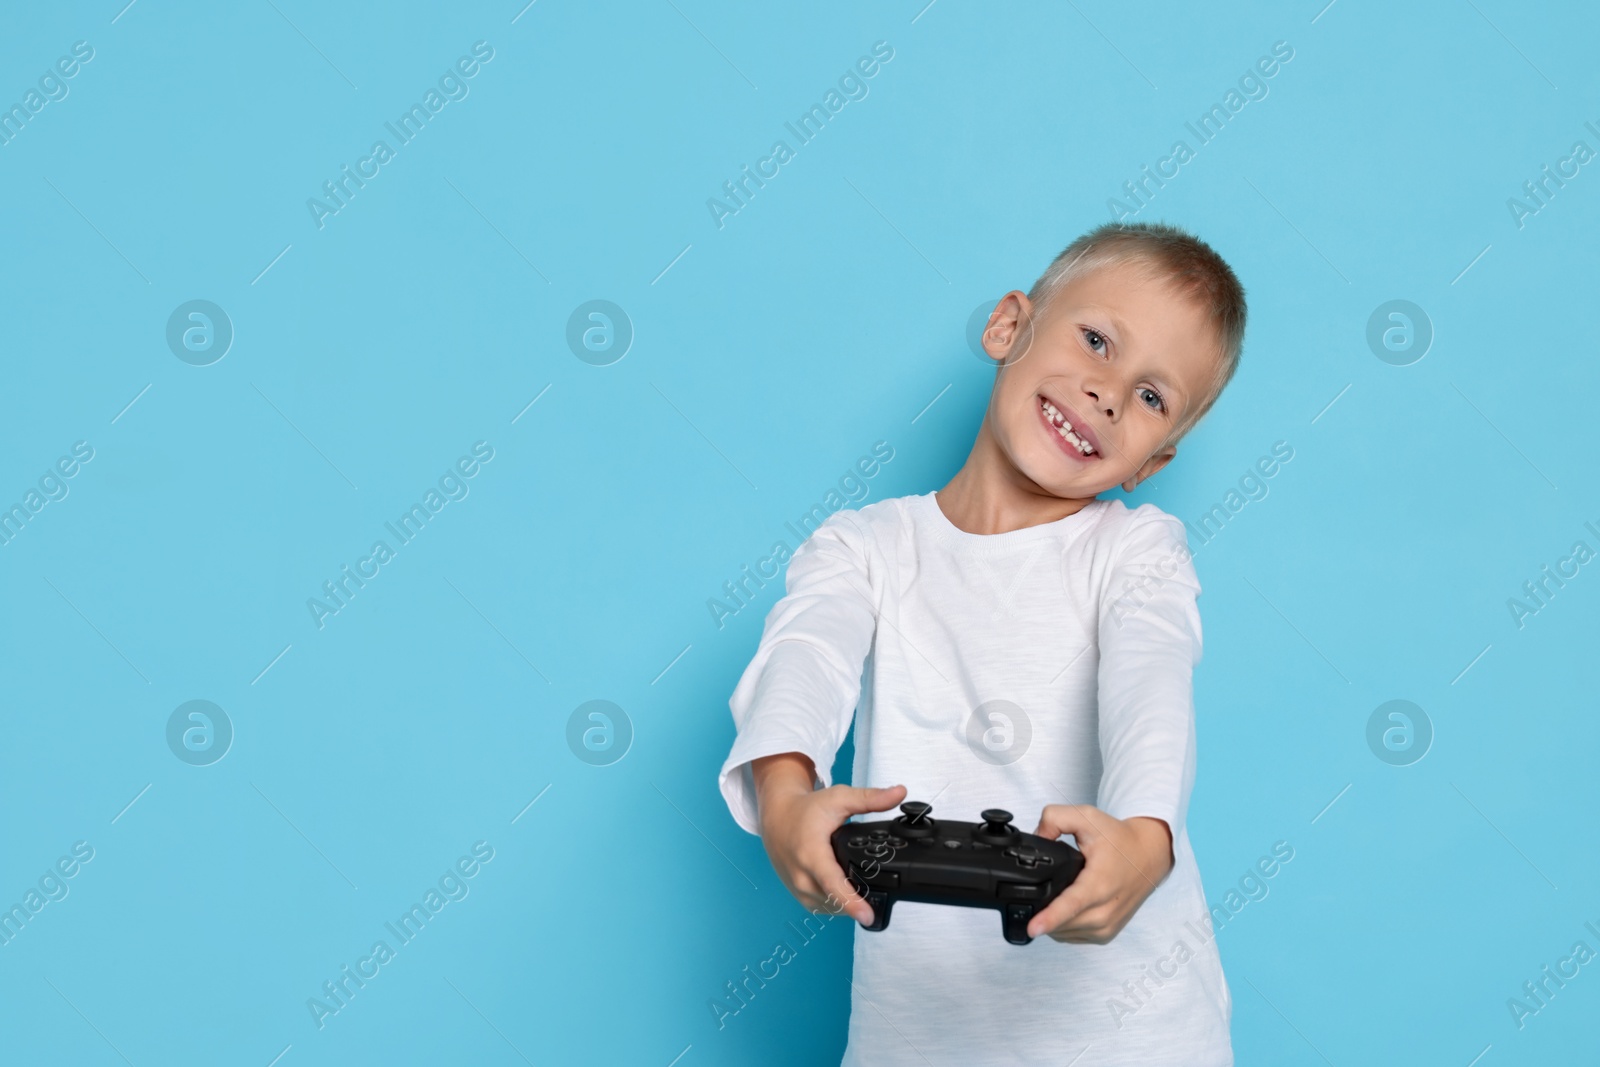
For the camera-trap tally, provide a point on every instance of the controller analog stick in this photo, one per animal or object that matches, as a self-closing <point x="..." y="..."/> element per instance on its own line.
<point x="914" y="820"/>
<point x="995" y="819"/>
<point x="996" y="828"/>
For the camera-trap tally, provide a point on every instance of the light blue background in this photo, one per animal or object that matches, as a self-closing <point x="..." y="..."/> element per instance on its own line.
<point x="825" y="316"/>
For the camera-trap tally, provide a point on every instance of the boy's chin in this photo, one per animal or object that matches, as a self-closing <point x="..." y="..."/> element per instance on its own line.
<point x="1053" y="484"/>
<point x="1061" y="477"/>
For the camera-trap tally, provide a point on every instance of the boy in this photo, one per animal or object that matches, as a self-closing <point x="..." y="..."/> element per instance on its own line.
<point x="1014" y="641"/>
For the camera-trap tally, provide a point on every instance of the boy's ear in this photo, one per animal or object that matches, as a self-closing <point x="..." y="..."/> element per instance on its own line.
<point x="1009" y="331"/>
<point x="1150" y="467"/>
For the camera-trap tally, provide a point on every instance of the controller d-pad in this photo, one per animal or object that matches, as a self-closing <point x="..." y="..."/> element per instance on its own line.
<point x="1025" y="855"/>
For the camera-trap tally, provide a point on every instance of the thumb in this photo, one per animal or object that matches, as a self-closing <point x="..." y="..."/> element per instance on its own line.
<point x="858" y="801"/>
<point x="1079" y="820"/>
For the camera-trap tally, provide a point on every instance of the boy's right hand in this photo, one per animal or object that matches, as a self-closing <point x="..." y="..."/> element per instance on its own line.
<point x="797" y="822"/>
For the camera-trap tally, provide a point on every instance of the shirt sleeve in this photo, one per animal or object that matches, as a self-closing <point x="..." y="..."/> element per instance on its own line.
<point x="1150" y="641"/>
<point x="799" y="692"/>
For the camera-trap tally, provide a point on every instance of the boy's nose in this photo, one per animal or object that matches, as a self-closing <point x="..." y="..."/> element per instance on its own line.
<point x="1104" y="407"/>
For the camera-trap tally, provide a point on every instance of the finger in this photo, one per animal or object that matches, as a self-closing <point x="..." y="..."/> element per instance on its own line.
<point x="859" y="801"/>
<point x="1093" y="920"/>
<point x="1084" y="938"/>
<point x="1103" y="928"/>
<point x="1056" y="915"/>
<point x="808" y="891"/>
<point x="1068" y="908"/>
<point x="840" y="893"/>
<point x="1075" y="819"/>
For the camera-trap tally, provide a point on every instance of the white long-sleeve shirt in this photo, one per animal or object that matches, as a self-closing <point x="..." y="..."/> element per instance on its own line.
<point x="1047" y="665"/>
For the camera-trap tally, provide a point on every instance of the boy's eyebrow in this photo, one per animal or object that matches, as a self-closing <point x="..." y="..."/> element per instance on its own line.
<point x="1173" y="385"/>
<point x="1116" y="324"/>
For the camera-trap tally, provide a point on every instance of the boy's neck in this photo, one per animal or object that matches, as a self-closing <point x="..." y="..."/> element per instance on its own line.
<point x="990" y="496"/>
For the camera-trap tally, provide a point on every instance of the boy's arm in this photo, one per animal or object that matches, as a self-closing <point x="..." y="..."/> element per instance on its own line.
<point x="1150" y="641"/>
<point x="798" y="693"/>
<point x="793" y="707"/>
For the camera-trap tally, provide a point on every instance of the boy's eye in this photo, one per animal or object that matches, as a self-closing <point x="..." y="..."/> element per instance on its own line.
<point x="1159" y="405"/>
<point x="1095" y="338"/>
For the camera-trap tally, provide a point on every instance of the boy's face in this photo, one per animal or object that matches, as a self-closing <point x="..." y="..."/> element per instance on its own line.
<point x="1120" y="358"/>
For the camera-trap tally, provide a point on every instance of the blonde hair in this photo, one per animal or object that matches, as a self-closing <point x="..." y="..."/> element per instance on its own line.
<point x="1190" y="265"/>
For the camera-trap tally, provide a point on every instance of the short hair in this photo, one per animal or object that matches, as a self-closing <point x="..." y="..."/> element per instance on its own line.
<point x="1190" y="265"/>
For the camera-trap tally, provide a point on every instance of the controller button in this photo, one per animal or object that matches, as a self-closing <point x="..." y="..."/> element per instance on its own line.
<point x="1013" y="891"/>
<point x="897" y="842"/>
<point x="857" y="842"/>
<point x="951" y="842"/>
<point x="879" y="835"/>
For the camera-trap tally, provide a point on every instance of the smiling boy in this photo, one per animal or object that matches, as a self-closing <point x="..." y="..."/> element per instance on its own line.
<point x="1035" y="653"/>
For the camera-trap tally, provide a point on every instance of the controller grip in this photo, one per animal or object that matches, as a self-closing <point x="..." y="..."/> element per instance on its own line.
<point x="882" y="903"/>
<point x="1014" y="923"/>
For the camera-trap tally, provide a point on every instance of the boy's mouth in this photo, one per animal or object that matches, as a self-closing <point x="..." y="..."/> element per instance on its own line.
<point x="1078" y="446"/>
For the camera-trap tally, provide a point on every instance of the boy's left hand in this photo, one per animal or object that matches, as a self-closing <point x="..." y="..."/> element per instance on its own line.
<point x="1124" y="861"/>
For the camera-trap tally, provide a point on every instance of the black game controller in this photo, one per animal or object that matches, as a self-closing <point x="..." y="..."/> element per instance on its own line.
<point x="990" y="864"/>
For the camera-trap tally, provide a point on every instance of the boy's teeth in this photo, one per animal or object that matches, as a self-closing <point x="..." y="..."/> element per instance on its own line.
<point x="1064" y="428"/>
